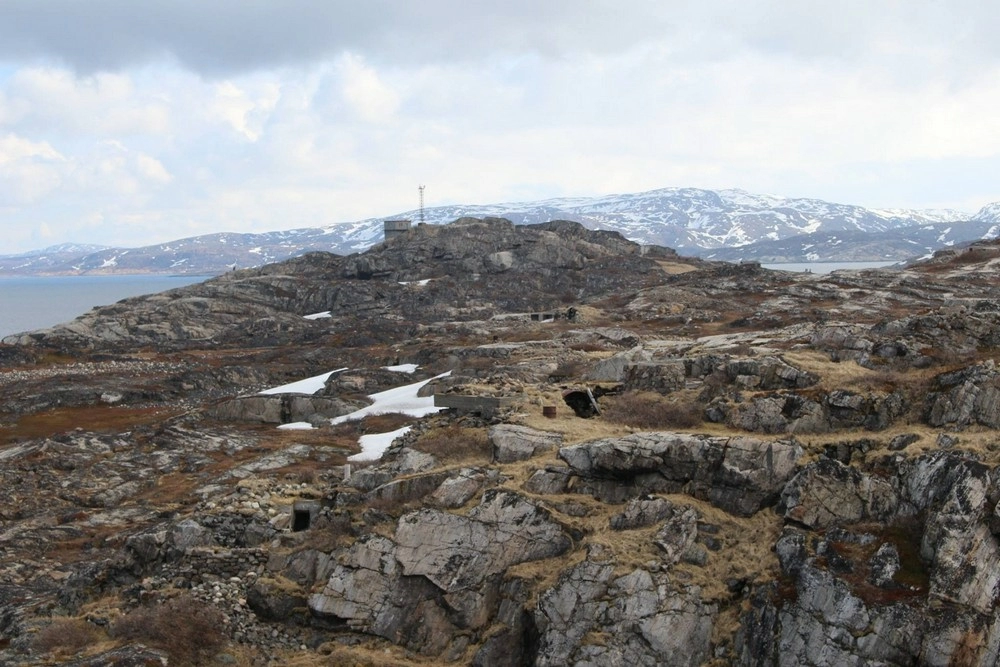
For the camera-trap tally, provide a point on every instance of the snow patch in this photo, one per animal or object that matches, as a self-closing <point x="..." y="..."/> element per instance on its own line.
<point x="307" y="386"/>
<point x="402" y="368"/>
<point x="375" y="444"/>
<point x="318" y="316"/>
<point x="296" y="426"/>
<point x="401" y="399"/>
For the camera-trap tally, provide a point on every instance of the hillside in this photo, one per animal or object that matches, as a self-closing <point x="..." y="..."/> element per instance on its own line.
<point x="726" y="224"/>
<point x="636" y="458"/>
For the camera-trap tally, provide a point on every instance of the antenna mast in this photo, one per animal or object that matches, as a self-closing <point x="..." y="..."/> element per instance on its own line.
<point x="421" y="188"/>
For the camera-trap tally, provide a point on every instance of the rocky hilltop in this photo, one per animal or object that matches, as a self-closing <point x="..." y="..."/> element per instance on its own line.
<point x="639" y="458"/>
<point x="731" y="225"/>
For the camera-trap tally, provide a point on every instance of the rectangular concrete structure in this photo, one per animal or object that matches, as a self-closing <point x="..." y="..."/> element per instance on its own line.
<point x="484" y="405"/>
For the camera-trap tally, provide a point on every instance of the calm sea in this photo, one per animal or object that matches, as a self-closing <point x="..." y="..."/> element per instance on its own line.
<point x="29" y="303"/>
<point x="826" y="267"/>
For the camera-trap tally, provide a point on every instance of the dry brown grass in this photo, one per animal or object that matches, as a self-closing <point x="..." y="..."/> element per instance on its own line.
<point x="675" y="268"/>
<point x="849" y="375"/>
<point x="370" y="654"/>
<point x="649" y="410"/>
<point x="96" y="419"/>
<point x="456" y="444"/>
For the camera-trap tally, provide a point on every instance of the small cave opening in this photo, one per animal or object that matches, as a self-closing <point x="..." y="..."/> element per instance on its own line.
<point x="583" y="400"/>
<point x="301" y="519"/>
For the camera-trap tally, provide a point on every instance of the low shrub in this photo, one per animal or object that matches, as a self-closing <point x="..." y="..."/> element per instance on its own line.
<point x="648" y="410"/>
<point x="66" y="636"/>
<point x="189" y="630"/>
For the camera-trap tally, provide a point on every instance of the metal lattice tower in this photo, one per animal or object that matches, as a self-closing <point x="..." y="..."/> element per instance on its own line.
<point x="421" y="188"/>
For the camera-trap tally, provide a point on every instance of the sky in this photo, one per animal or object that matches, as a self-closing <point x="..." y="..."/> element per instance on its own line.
<point x="129" y="123"/>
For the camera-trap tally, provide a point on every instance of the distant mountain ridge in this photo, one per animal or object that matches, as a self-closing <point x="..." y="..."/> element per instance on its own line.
<point x="714" y="224"/>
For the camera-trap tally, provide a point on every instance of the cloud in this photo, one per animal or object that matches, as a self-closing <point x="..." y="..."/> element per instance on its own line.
<point x="163" y="119"/>
<point x="226" y="37"/>
<point x="230" y="37"/>
<point x="47" y="99"/>
<point x="244" y="110"/>
<point x="28" y="170"/>
<point x="370" y="98"/>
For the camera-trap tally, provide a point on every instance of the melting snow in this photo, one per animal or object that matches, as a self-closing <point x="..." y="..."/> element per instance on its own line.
<point x="417" y="282"/>
<point x="318" y="316"/>
<point x="374" y="445"/>
<point x="402" y="368"/>
<point x="296" y="426"/>
<point x="307" y="386"/>
<point x="401" y="399"/>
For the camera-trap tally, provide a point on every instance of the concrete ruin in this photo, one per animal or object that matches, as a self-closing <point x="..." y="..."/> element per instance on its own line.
<point x="394" y="228"/>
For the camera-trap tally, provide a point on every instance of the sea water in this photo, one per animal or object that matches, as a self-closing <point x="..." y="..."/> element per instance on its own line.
<point x="28" y="303"/>
<point x="826" y="267"/>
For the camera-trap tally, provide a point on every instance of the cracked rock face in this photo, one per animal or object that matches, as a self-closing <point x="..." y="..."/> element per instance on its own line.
<point x="828" y="493"/>
<point x="440" y="571"/>
<point x="646" y="620"/>
<point x="457" y="552"/>
<point x="741" y="475"/>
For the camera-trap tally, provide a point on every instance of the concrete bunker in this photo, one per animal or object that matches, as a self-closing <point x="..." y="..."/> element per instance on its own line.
<point x="303" y="514"/>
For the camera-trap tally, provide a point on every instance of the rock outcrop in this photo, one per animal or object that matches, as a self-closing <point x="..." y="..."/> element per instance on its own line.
<point x="741" y="475"/>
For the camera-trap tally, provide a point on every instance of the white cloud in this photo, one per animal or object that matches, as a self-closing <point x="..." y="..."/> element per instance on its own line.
<point x="52" y="100"/>
<point x="368" y="96"/>
<point x="210" y="117"/>
<point x="28" y="170"/>
<point x="245" y="110"/>
<point x="15" y="149"/>
<point x="152" y="169"/>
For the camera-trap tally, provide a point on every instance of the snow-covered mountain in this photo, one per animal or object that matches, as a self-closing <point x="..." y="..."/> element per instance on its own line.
<point x="722" y="224"/>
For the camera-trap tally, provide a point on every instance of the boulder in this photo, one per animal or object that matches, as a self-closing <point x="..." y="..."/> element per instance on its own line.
<point x="518" y="443"/>
<point x="642" y="512"/>
<point x="677" y="535"/>
<point x="460" y="552"/>
<point x="883" y="566"/>
<point x="406" y="489"/>
<point x="548" y="481"/>
<point x="188" y="534"/>
<point x="766" y="373"/>
<point x="272" y="601"/>
<point x="828" y="493"/>
<point x="459" y="489"/>
<point x="663" y="377"/>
